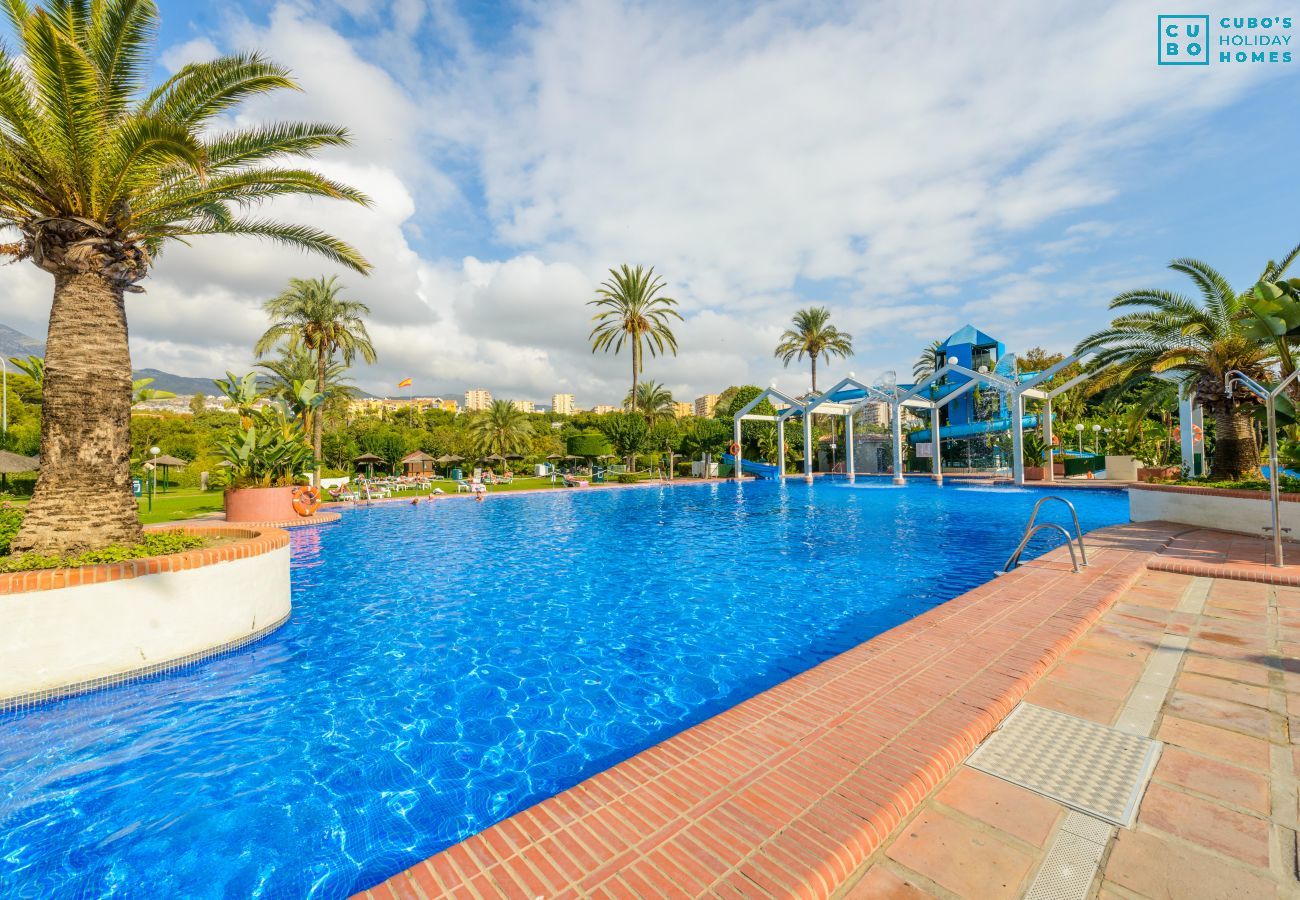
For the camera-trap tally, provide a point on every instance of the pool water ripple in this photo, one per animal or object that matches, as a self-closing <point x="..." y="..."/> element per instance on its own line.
<point x="449" y="664"/>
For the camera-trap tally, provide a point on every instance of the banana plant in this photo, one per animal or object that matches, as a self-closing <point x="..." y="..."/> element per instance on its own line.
<point x="1274" y="308"/>
<point x="271" y="448"/>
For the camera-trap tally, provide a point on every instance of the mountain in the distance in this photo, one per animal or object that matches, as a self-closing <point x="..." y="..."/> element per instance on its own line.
<point x="180" y="385"/>
<point x="15" y="343"/>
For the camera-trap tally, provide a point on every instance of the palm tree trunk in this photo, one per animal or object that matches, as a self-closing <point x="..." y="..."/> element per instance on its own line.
<point x="1236" y="452"/>
<point x="814" y="372"/>
<point x="83" y="498"/>
<point x="318" y="417"/>
<point x="636" y="370"/>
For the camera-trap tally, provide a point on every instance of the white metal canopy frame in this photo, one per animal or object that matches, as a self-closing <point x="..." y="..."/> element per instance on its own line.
<point x="916" y="397"/>
<point x="1269" y="396"/>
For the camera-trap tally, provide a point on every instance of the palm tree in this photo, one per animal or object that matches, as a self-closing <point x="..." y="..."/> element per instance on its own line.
<point x="295" y="367"/>
<point x="1196" y="341"/>
<point x="501" y="428"/>
<point x="310" y="314"/>
<point x="652" y="400"/>
<point x="814" y="336"/>
<point x="633" y="310"/>
<point x="98" y="172"/>
<point x="924" y="366"/>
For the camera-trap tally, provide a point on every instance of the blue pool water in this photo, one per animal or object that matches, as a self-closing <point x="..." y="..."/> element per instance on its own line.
<point x="449" y="664"/>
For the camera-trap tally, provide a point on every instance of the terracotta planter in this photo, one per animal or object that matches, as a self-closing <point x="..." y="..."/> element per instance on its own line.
<point x="1154" y="474"/>
<point x="260" y="504"/>
<point x="1034" y="473"/>
<point x="1058" y="469"/>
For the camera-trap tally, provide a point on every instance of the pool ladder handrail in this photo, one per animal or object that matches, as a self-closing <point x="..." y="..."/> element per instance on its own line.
<point x="1031" y="529"/>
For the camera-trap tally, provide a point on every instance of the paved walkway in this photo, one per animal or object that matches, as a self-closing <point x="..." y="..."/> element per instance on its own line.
<point x="1219" y="817"/>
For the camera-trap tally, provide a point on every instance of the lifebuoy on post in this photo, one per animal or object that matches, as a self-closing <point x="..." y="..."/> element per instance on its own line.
<point x="733" y="448"/>
<point x="306" y="500"/>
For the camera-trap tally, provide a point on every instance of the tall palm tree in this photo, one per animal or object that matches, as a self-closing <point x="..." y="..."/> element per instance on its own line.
<point x="501" y="428"/>
<point x="813" y="335"/>
<point x="309" y="313"/>
<point x="652" y="400"/>
<point x="633" y="310"/>
<point x="925" y="363"/>
<point x="98" y="172"/>
<point x="296" y="366"/>
<point x="1200" y="341"/>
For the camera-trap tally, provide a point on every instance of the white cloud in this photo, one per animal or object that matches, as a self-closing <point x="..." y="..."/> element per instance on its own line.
<point x="922" y="159"/>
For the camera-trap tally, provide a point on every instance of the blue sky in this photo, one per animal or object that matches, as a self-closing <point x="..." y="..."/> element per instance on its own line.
<point x="912" y="165"/>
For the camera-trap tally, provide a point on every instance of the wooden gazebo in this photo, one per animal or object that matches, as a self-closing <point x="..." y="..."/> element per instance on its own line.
<point x="417" y="463"/>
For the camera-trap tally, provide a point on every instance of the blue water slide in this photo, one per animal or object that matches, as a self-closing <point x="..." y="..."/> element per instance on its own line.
<point x="762" y="470"/>
<point x="992" y="426"/>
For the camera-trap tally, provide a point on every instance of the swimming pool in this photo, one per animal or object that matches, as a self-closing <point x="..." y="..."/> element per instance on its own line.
<point x="449" y="664"/>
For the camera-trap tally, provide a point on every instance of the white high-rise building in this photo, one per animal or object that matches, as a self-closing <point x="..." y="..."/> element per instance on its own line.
<point x="562" y="404"/>
<point x="524" y="406"/>
<point x="476" y="400"/>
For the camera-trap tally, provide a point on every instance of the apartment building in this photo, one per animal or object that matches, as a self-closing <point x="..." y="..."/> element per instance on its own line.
<point x="562" y="404"/>
<point x="476" y="400"/>
<point x="705" y="405"/>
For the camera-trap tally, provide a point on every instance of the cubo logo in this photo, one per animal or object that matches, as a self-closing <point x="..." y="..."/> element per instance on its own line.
<point x="1183" y="40"/>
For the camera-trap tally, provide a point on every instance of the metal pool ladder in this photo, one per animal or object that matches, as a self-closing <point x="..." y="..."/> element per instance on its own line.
<point x="1031" y="529"/>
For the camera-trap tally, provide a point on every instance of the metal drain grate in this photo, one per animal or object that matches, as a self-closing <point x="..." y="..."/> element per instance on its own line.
<point x="1089" y="767"/>
<point x="1071" y="864"/>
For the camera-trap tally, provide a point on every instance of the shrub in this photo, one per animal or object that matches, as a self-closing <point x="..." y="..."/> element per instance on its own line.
<point x="589" y="443"/>
<point x="155" y="543"/>
<point x="628" y="478"/>
<point x="10" y="520"/>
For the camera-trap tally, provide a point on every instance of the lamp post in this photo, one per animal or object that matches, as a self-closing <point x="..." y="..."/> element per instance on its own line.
<point x="1078" y="429"/>
<point x="1107" y="433"/>
<point x="153" y="480"/>
<point x="1096" y="435"/>
<point x="4" y="390"/>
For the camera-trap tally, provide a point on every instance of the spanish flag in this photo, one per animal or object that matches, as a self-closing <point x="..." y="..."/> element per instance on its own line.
<point x="405" y="382"/>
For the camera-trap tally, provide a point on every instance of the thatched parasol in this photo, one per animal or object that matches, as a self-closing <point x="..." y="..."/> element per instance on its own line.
<point x="167" y="462"/>
<point x="15" y="463"/>
<point x="368" y="460"/>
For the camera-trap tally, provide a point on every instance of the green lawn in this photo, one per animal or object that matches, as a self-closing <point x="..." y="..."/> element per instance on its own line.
<point x="178" y="504"/>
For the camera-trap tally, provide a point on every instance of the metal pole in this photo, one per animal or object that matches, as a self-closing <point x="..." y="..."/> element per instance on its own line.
<point x="780" y="448"/>
<point x="5" y="367"/>
<point x="1272" y="482"/>
<point x="848" y="443"/>
<point x="896" y="412"/>
<point x="936" y="446"/>
<point x="1186" y="440"/>
<point x="1049" y="473"/>
<point x="1017" y="438"/>
<point x="807" y="445"/>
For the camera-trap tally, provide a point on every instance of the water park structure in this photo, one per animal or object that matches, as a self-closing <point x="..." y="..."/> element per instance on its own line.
<point x="975" y="390"/>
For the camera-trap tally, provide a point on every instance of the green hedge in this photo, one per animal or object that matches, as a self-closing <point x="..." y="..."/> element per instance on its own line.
<point x="589" y="443"/>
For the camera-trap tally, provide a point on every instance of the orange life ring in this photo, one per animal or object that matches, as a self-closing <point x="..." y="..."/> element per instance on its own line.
<point x="733" y="448"/>
<point x="306" y="500"/>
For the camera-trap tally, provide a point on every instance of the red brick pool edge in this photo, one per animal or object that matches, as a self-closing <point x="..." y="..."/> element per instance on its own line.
<point x="788" y="792"/>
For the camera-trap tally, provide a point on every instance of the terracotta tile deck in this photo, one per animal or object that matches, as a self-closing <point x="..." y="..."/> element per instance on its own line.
<point x="789" y="792"/>
<point x="1219" y="818"/>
